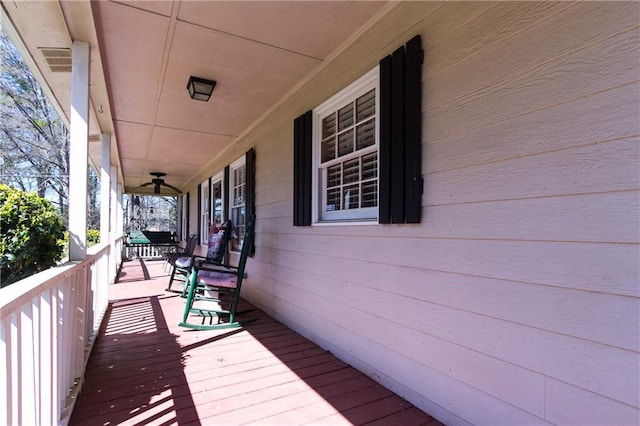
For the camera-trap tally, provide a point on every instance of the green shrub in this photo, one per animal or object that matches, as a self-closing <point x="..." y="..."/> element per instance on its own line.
<point x="93" y="238"/>
<point x="31" y="237"/>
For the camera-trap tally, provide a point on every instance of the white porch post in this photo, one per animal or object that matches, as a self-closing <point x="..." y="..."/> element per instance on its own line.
<point x="79" y="147"/>
<point x="120" y="213"/>
<point x="113" y="234"/>
<point x="105" y="188"/>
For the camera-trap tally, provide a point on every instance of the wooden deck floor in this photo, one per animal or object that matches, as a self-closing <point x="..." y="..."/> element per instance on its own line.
<point x="145" y="370"/>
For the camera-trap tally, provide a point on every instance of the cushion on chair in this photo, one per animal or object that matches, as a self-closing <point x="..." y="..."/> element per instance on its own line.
<point x="216" y="246"/>
<point x="183" y="262"/>
<point x="217" y="279"/>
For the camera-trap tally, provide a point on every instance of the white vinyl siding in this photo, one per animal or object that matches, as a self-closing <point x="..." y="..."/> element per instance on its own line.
<point x="516" y="300"/>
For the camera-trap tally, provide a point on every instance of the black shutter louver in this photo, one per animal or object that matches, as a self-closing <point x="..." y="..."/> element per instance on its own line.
<point x="210" y="206"/>
<point x="384" y="157"/>
<point x="186" y="212"/>
<point x="400" y="178"/>
<point x="225" y="195"/>
<point x="200" y="230"/>
<point x="302" y="150"/>
<point x="413" y="131"/>
<point x="250" y="189"/>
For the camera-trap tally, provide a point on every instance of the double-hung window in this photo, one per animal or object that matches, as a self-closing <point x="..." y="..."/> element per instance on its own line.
<point x="345" y="153"/>
<point x="357" y="157"/>
<point x="205" y="215"/>
<point x="238" y="187"/>
<point x="217" y="200"/>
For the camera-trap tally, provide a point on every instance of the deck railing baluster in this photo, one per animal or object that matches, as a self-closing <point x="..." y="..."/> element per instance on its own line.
<point x="48" y="323"/>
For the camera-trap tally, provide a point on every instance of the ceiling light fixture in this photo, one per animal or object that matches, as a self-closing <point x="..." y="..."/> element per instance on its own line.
<point x="200" y="88"/>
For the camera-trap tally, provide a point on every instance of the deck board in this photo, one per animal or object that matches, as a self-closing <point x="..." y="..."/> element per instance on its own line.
<point x="144" y="369"/>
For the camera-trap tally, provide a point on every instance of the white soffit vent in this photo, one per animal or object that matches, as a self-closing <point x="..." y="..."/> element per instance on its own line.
<point x="58" y="59"/>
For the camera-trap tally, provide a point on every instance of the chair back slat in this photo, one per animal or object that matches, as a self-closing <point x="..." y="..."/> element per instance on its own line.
<point x="246" y="248"/>
<point x="191" y="245"/>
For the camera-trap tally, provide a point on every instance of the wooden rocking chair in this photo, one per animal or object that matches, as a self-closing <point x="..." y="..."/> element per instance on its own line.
<point x="216" y="254"/>
<point x="214" y="291"/>
<point x="178" y="260"/>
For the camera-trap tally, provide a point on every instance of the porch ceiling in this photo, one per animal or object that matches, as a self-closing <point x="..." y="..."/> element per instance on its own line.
<point x="143" y="53"/>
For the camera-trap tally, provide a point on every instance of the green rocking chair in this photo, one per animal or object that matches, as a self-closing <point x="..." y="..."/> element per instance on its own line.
<point x="217" y="241"/>
<point x="214" y="291"/>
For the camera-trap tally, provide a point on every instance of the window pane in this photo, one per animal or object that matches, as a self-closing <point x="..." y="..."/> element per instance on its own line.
<point x="351" y="171"/>
<point x="217" y="201"/>
<point x="370" y="166"/>
<point x="333" y="199"/>
<point x="345" y="143"/>
<point x="333" y="176"/>
<point x="351" y="197"/>
<point x="366" y="105"/>
<point x="329" y="126"/>
<point x="366" y="135"/>
<point x="328" y="149"/>
<point x="370" y="194"/>
<point x="238" y="217"/>
<point x="345" y="117"/>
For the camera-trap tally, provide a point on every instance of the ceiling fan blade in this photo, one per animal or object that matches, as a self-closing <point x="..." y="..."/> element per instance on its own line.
<point x="145" y="184"/>
<point x="172" y="187"/>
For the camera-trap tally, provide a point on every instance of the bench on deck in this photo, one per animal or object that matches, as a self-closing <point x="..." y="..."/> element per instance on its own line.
<point x="149" y="244"/>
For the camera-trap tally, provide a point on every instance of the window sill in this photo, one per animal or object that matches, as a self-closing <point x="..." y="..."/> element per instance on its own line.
<point x="354" y="222"/>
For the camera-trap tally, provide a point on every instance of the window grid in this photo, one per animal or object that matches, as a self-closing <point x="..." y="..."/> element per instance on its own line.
<point x="204" y="213"/>
<point x="238" y="199"/>
<point x="349" y="155"/>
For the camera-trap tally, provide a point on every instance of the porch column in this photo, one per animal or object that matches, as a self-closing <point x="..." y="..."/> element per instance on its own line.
<point x="105" y="188"/>
<point x="79" y="147"/>
<point x="113" y="226"/>
<point x="120" y="212"/>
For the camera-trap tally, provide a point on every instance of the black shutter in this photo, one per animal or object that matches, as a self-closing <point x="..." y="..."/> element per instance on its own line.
<point x="200" y="230"/>
<point x="400" y="159"/>
<point x="210" y="202"/>
<point x="397" y="136"/>
<point x="225" y="195"/>
<point x="413" y="131"/>
<point x="250" y="189"/>
<point x="186" y="211"/>
<point x="302" y="150"/>
<point x="384" y="157"/>
<point x="179" y="224"/>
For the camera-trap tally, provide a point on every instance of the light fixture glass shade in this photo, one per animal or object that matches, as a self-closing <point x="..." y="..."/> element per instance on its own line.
<point x="200" y="88"/>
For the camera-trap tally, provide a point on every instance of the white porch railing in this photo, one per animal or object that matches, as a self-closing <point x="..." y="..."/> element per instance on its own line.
<point x="146" y="251"/>
<point x="48" y="324"/>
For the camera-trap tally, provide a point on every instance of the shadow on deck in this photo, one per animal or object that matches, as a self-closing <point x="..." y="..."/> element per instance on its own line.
<point x="144" y="369"/>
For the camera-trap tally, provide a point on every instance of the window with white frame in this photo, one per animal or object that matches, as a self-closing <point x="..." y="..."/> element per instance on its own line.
<point x="205" y="216"/>
<point x="345" y="153"/>
<point x="237" y="191"/>
<point x="217" y="200"/>
<point x="184" y="216"/>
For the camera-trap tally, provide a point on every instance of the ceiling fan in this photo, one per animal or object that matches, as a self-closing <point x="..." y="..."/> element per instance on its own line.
<point x="158" y="182"/>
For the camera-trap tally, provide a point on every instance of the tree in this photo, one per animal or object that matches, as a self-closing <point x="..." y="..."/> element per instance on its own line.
<point x="33" y="139"/>
<point x="31" y="234"/>
<point x="150" y="212"/>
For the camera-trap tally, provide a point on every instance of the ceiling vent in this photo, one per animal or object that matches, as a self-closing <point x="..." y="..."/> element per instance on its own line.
<point x="58" y="59"/>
